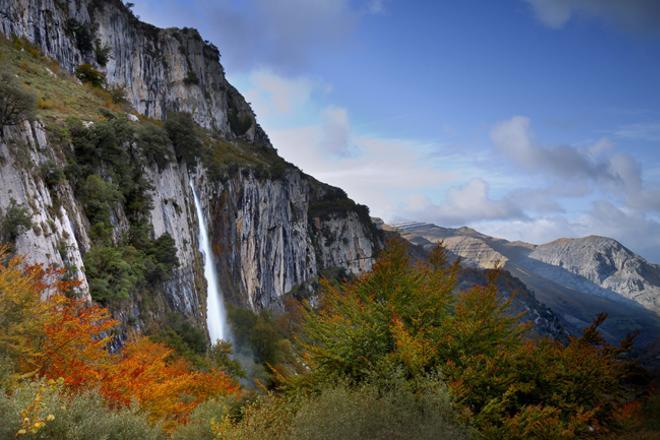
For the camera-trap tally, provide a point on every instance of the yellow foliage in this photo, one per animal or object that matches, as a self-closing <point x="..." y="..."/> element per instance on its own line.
<point x="22" y="314"/>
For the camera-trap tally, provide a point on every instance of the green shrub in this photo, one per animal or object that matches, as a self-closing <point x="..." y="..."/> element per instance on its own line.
<point x="16" y="104"/>
<point x="82" y="417"/>
<point x="102" y="53"/>
<point x="182" y="336"/>
<point x="155" y="144"/>
<point x="340" y="412"/>
<point x="199" y="426"/>
<point x="102" y="142"/>
<point x="82" y="34"/>
<point x="181" y="130"/>
<point x="162" y="252"/>
<point x="259" y="332"/>
<point x="414" y="319"/>
<point x="114" y="273"/>
<point x="117" y="94"/>
<point x="107" y="146"/>
<point x="98" y="197"/>
<point x="344" y="413"/>
<point x="14" y="221"/>
<point x="240" y="123"/>
<point x="51" y="174"/>
<point x="88" y="74"/>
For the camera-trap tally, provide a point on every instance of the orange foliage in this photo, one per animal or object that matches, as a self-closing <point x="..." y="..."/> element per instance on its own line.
<point x="166" y="388"/>
<point x="143" y="371"/>
<point x="77" y="335"/>
<point x="68" y="338"/>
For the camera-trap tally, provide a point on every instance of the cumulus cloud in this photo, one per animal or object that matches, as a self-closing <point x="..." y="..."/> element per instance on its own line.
<point x="281" y="34"/>
<point x="598" y="164"/>
<point x="635" y="15"/>
<point x="380" y="172"/>
<point x="634" y="229"/>
<point x="463" y="204"/>
<point x="515" y="139"/>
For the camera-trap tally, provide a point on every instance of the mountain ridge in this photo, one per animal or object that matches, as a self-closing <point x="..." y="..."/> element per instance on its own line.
<point x="576" y="277"/>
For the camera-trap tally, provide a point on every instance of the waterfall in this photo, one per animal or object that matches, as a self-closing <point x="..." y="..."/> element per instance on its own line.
<point x="216" y="318"/>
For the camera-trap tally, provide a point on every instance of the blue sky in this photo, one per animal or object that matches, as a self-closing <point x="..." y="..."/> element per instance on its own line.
<point x="526" y="119"/>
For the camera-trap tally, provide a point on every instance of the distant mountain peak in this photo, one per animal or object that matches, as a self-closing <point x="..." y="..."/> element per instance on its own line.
<point x="578" y="277"/>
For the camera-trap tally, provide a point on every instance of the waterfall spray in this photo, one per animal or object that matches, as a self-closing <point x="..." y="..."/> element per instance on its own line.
<point x="216" y="317"/>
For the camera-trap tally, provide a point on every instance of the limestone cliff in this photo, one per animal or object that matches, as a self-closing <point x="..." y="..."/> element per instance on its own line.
<point x="161" y="69"/>
<point x="273" y="232"/>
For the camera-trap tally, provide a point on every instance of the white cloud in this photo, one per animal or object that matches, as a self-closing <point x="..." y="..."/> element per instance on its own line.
<point x="540" y="192"/>
<point x="272" y="93"/>
<point x="633" y="229"/>
<point x="645" y="131"/>
<point x="515" y="139"/>
<point x="380" y="172"/>
<point x="376" y="7"/>
<point x="281" y="34"/>
<point x="599" y="165"/>
<point x="336" y="131"/>
<point x="463" y="204"/>
<point x="636" y="15"/>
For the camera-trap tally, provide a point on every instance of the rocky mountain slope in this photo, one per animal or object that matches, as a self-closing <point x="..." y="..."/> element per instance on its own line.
<point x="523" y="302"/>
<point x="577" y="278"/>
<point x="274" y="229"/>
<point x="105" y="181"/>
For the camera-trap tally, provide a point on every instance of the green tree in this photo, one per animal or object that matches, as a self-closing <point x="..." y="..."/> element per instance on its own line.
<point x="113" y="272"/>
<point x="181" y="130"/>
<point x="411" y="320"/>
<point x="15" y="220"/>
<point x="16" y="104"/>
<point x="88" y="74"/>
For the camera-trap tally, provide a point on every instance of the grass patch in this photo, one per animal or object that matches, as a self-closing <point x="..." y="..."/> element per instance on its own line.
<point x="59" y="95"/>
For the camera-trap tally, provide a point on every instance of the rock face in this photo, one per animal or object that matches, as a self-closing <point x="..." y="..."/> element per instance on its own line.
<point x="272" y="233"/>
<point x="58" y="235"/>
<point x="577" y="278"/>
<point x="606" y="263"/>
<point x="523" y="302"/>
<point x="161" y="70"/>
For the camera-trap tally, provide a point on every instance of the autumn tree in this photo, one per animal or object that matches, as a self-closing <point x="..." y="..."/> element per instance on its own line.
<point x="166" y="387"/>
<point x="45" y="333"/>
<point x="410" y="320"/>
<point x="22" y="316"/>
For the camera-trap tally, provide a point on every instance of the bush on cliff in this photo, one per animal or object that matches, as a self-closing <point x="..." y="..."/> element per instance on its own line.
<point x="15" y="220"/>
<point x="16" y="104"/>
<point x="181" y="130"/>
<point x="88" y="74"/>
